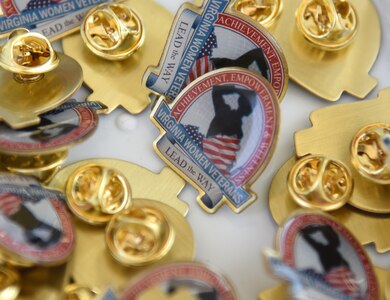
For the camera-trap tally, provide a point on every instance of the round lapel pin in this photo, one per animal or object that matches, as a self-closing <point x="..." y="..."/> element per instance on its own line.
<point x="196" y="280"/>
<point x="220" y="134"/>
<point x="34" y="224"/>
<point x="325" y="252"/>
<point x="41" y="149"/>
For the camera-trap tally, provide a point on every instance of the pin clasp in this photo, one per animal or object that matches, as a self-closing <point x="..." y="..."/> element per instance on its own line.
<point x="112" y="31"/>
<point x="370" y="150"/>
<point x="320" y="182"/>
<point x="328" y="24"/>
<point x="139" y="236"/>
<point x="263" y="11"/>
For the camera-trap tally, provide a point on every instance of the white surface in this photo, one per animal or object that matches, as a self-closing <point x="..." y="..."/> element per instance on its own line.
<point x="232" y="243"/>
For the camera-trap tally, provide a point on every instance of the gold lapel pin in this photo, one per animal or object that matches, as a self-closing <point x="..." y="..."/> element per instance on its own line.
<point x="112" y="31"/>
<point x="139" y="236"/>
<point x="34" y="78"/>
<point x="371" y="152"/>
<point x="265" y="12"/>
<point x="328" y="24"/>
<point x="96" y="192"/>
<point x="319" y="182"/>
<point x="40" y="150"/>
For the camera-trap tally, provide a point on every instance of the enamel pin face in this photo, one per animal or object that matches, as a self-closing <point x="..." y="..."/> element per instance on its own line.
<point x="34" y="224"/>
<point x="216" y="37"/>
<point x="58" y="130"/>
<point x="322" y="258"/>
<point x="189" y="280"/>
<point x="219" y="134"/>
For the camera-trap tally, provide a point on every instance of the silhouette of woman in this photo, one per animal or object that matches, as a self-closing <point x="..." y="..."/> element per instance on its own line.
<point x="47" y="130"/>
<point x="337" y="272"/>
<point x="36" y="232"/>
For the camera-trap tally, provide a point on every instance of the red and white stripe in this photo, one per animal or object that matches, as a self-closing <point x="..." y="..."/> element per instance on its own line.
<point x="222" y="151"/>
<point x="201" y="66"/>
<point x="342" y="278"/>
<point x="9" y="204"/>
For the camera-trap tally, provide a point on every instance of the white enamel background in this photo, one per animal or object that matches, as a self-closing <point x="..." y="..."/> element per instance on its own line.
<point x="231" y="243"/>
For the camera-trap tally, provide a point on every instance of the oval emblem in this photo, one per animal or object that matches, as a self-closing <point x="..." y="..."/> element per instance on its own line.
<point x="58" y="130"/>
<point x="35" y="228"/>
<point x="190" y="280"/>
<point x="319" y="247"/>
<point x="219" y="134"/>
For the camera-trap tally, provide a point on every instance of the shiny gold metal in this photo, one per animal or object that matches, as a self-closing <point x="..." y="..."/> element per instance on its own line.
<point x="140" y="236"/>
<point x="368" y="228"/>
<point x="28" y="55"/>
<point x="79" y="292"/>
<point x="329" y="124"/>
<point x="96" y="192"/>
<point x="319" y="182"/>
<point x="370" y="152"/>
<point x="42" y="166"/>
<point x="164" y="188"/>
<point x="328" y="24"/>
<point x="342" y="70"/>
<point x="158" y="293"/>
<point x="39" y="283"/>
<point x="9" y="283"/>
<point x="281" y="291"/>
<point x="109" y="80"/>
<point x="112" y="31"/>
<point x="266" y="12"/>
<point x="33" y="79"/>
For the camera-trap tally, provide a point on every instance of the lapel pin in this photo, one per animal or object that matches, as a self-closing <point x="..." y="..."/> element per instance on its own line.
<point x="34" y="78"/>
<point x="117" y="83"/>
<point x="154" y="232"/>
<point x="366" y="214"/>
<point x="34" y="224"/>
<point x="200" y="281"/>
<point x="212" y="37"/>
<point x="41" y="149"/>
<point x="322" y="259"/>
<point x="331" y="36"/>
<point x="219" y="134"/>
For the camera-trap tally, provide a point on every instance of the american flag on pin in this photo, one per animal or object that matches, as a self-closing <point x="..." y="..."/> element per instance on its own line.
<point x="221" y="150"/>
<point x="342" y="278"/>
<point x="34" y="4"/>
<point x="16" y="7"/>
<point x="9" y="204"/>
<point x="203" y="64"/>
